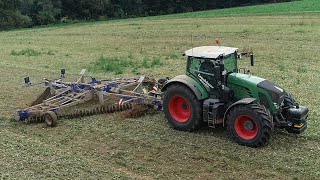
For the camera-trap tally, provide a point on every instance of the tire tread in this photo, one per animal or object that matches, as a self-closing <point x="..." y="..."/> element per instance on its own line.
<point x="266" y="122"/>
<point x="196" y="118"/>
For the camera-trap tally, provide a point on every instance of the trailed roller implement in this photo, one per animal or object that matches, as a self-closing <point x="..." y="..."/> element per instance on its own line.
<point x="105" y="96"/>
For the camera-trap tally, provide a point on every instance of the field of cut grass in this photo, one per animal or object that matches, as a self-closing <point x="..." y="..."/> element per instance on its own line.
<point x="111" y="147"/>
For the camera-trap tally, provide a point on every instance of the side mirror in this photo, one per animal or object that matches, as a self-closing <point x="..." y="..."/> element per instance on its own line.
<point x="252" y="59"/>
<point x="217" y="72"/>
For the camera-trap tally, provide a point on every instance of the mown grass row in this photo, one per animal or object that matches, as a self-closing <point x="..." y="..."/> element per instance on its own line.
<point x="30" y="52"/>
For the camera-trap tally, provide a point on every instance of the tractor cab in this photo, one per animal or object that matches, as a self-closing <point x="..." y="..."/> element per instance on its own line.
<point x="211" y="64"/>
<point x="200" y="57"/>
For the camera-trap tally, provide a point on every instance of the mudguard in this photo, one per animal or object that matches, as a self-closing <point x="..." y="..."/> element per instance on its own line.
<point x="198" y="89"/>
<point x="242" y="101"/>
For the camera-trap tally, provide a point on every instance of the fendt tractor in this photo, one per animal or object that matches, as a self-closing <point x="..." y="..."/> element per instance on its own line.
<point x="214" y="91"/>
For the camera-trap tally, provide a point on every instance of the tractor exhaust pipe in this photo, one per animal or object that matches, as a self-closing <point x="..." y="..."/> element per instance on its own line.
<point x="252" y="59"/>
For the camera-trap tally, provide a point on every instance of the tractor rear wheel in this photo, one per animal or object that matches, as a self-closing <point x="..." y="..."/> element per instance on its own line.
<point x="182" y="108"/>
<point x="51" y="119"/>
<point x="250" y="125"/>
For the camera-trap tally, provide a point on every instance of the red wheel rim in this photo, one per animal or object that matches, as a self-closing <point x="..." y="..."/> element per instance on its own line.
<point x="246" y="127"/>
<point x="179" y="109"/>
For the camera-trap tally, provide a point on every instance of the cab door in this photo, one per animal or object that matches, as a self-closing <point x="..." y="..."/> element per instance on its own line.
<point x="202" y="69"/>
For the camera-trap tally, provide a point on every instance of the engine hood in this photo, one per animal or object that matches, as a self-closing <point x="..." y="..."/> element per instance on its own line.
<point x="276" y="92"/>
<point x="253" y="82"/>
<point x="241" y="79"/>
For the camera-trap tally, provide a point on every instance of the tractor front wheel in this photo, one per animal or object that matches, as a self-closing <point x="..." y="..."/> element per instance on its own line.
<point x="288" y="103"/>
<point x="250" y="125"/>
<point x="182" y="108"/>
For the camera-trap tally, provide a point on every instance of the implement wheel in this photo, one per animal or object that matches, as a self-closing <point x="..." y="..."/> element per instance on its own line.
<point x="51" y="119"/>
<point x="250" y="125"/>
<point x="182" y="108"/>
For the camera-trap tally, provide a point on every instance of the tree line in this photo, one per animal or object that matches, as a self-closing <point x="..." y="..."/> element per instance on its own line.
<point x="27" y="13"/>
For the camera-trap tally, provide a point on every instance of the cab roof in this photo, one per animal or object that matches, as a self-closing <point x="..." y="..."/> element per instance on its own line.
<point x="210" y="52"/>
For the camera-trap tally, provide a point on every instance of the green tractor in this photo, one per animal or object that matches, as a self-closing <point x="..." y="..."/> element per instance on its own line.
<point x="214" y="91"/>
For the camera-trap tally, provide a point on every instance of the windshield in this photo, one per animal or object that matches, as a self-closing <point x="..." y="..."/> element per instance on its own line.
<point x="230" y="62"/>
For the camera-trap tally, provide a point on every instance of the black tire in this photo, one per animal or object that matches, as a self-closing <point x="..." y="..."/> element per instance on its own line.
<point x="289" y="101"/>
<point x="182" y="108"/>
<point x="51" y="119"/>
<point x="250" y="125"/>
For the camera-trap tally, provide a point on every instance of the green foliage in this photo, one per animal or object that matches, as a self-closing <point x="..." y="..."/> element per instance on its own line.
<point x="145" y="63"/>
<point x="14" y="19"/>
<point x="10" y="16"/>
<point x="26" y="52"/>
<point x="150" y="63"/>
<point x="302" y="69"/>
<point x="31" y="52"/>
<point x="156" y="61"/>
<point x="50" y="53"/>
<point x="111" y="64"/>
<point x="119" y="65"/>
<point x="282" y="67"/>
<point x="43" y="12"/>
<point x="136" y="71"/>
